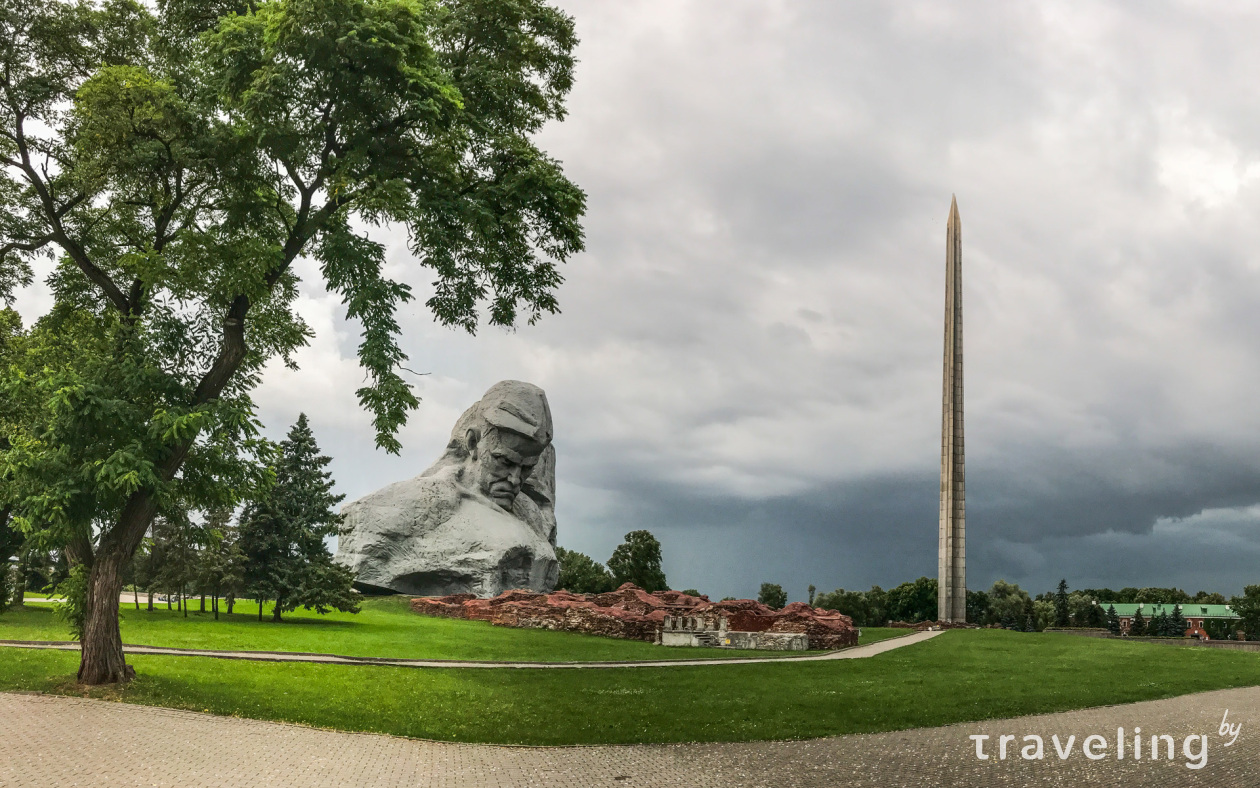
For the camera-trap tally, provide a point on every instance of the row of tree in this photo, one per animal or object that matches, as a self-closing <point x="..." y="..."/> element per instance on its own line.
<point x="275" y="551"/>
<point x="1162" y="625"/>
<point x="174" y="160"/>
<point x="636" y="560"/>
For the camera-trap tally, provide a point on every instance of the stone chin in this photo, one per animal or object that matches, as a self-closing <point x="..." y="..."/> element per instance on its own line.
<point x="435" y="535"/>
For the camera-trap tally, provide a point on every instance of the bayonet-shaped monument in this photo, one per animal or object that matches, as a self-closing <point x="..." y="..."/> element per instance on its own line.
<point x="952" y="561"/>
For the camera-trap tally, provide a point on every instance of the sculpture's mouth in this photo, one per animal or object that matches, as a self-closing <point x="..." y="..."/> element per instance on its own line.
<point x="503" y="493"/>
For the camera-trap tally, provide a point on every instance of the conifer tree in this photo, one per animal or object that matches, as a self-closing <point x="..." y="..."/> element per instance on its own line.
<point x="1113" y="620"/>
<point x="1138" y="627"/>
<point x="221" y="569"/>
<point x="282" y="534"/>
<point x="1061" y="608"/>
<point x="1177" y="625"/>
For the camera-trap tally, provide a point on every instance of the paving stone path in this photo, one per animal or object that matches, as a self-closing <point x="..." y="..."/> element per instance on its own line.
<point x="50" y="742"/>
<point x="857" y="652"/>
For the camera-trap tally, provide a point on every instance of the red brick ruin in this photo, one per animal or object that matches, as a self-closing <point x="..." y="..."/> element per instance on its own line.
<point x="631" y="613"/>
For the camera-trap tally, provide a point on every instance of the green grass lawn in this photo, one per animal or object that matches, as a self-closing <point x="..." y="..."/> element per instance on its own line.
<point x="386" y="627"/>
<point x="959" y="676"/>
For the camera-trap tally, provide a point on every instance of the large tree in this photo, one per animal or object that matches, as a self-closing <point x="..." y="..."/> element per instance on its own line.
<point x="915" y="601"/>
<point x="582" y="574"/>
<point x="638" y="560"/>
<point x="175" y="159"/>
<point x="282" y="534"/>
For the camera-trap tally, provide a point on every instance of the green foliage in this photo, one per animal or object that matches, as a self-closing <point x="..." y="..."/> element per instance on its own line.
<point x="1006" y="604"/>
<point x="1062" y="611"/>
<point x="1177" y="624"/>
<point x="690" y="592"/>
<point x="1157" y="595"/>
<point x="1044" y="614"/>
<point x="175" y="159"/>
<point x="638" y="560"/>
<point x="1247" y="607"/>
<point x="581" y="574"/>
<point x="221" y="564"/>
<point x="914" y="601"/>
<point x="1218" y="629"/>
<point x="772" y="595"/>
<point x="1138" y="627"/>
<point x="282" y="533"/>
<point x="72" y="609"/>
<point x="977" y="607"/>
<point x="866" y="608"/>
<point x="1113" y="620"/>
<point x="811" y="591"/>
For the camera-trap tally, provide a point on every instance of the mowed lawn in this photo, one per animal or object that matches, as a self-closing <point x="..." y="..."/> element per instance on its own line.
<point x="386" y="627"/>
<point x="958" y="676"/>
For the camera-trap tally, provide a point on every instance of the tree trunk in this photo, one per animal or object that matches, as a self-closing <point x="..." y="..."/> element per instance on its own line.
<point x="231" y="602"/>
<point x="214" y="603"/>
<point x="19" y="582"/>
<point x="102" y="660"/>
<point x="203" y="603"/>
<point x="260" y="604"/>
<point x="135" y="593"/>
<point x="150" y="598"/>
<point x="275" y="613"/>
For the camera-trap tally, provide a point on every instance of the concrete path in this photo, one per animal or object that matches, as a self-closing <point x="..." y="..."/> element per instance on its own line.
<point x="857" y="652"/>
<point x="50" y="742"/>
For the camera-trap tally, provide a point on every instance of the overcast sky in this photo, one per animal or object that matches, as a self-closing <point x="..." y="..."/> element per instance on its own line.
<point x="748" y="363"/>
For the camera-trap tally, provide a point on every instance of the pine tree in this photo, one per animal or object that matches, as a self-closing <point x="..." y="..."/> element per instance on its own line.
<point x="1113" y="620"/>
<point x="1138" y="627"/>
<point x="1030" y="616"/>
<point x="1061" y="607"/>
<point x="221" y="569"/>
<point x="282" y="534"/>
<point x="1177" y="625"/>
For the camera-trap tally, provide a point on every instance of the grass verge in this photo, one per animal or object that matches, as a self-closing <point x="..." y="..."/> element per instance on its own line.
<point x="959" y="676"/>
<point x="386" y="627"/>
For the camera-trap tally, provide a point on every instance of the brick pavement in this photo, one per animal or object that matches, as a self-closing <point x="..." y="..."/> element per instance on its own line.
<point x="49" y="742"/>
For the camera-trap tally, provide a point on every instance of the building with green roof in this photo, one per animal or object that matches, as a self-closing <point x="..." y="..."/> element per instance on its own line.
<point x="1196" y="614"/>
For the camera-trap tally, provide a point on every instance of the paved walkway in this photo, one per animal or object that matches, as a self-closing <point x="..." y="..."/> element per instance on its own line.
<point x="857" y="652"/>
<point x="49" y="742"/>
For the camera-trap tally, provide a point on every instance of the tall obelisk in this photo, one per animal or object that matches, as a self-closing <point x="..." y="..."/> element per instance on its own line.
<point x="952" y="564"/>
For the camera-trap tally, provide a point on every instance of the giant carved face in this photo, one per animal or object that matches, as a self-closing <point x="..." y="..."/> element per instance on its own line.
<point x="499" y="461"/>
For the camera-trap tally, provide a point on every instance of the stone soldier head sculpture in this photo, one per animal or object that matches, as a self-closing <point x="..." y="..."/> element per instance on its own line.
<point x="500" y="441"/>
<point x="480" y="520"/>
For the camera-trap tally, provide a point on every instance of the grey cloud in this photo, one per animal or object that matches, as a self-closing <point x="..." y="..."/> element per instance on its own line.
<point x="748" y="360"/>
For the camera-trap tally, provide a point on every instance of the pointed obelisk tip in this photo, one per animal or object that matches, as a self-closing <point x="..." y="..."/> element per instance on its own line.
<point x="953" y="209"/>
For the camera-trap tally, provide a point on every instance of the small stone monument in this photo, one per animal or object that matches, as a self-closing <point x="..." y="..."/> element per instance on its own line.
<point x="481" y="520"/>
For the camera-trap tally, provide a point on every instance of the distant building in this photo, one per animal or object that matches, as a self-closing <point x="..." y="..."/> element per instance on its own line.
<point x="1196" y="614"/>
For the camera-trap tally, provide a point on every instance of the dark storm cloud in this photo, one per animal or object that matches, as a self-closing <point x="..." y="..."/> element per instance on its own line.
<point x="748" y="362"/>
